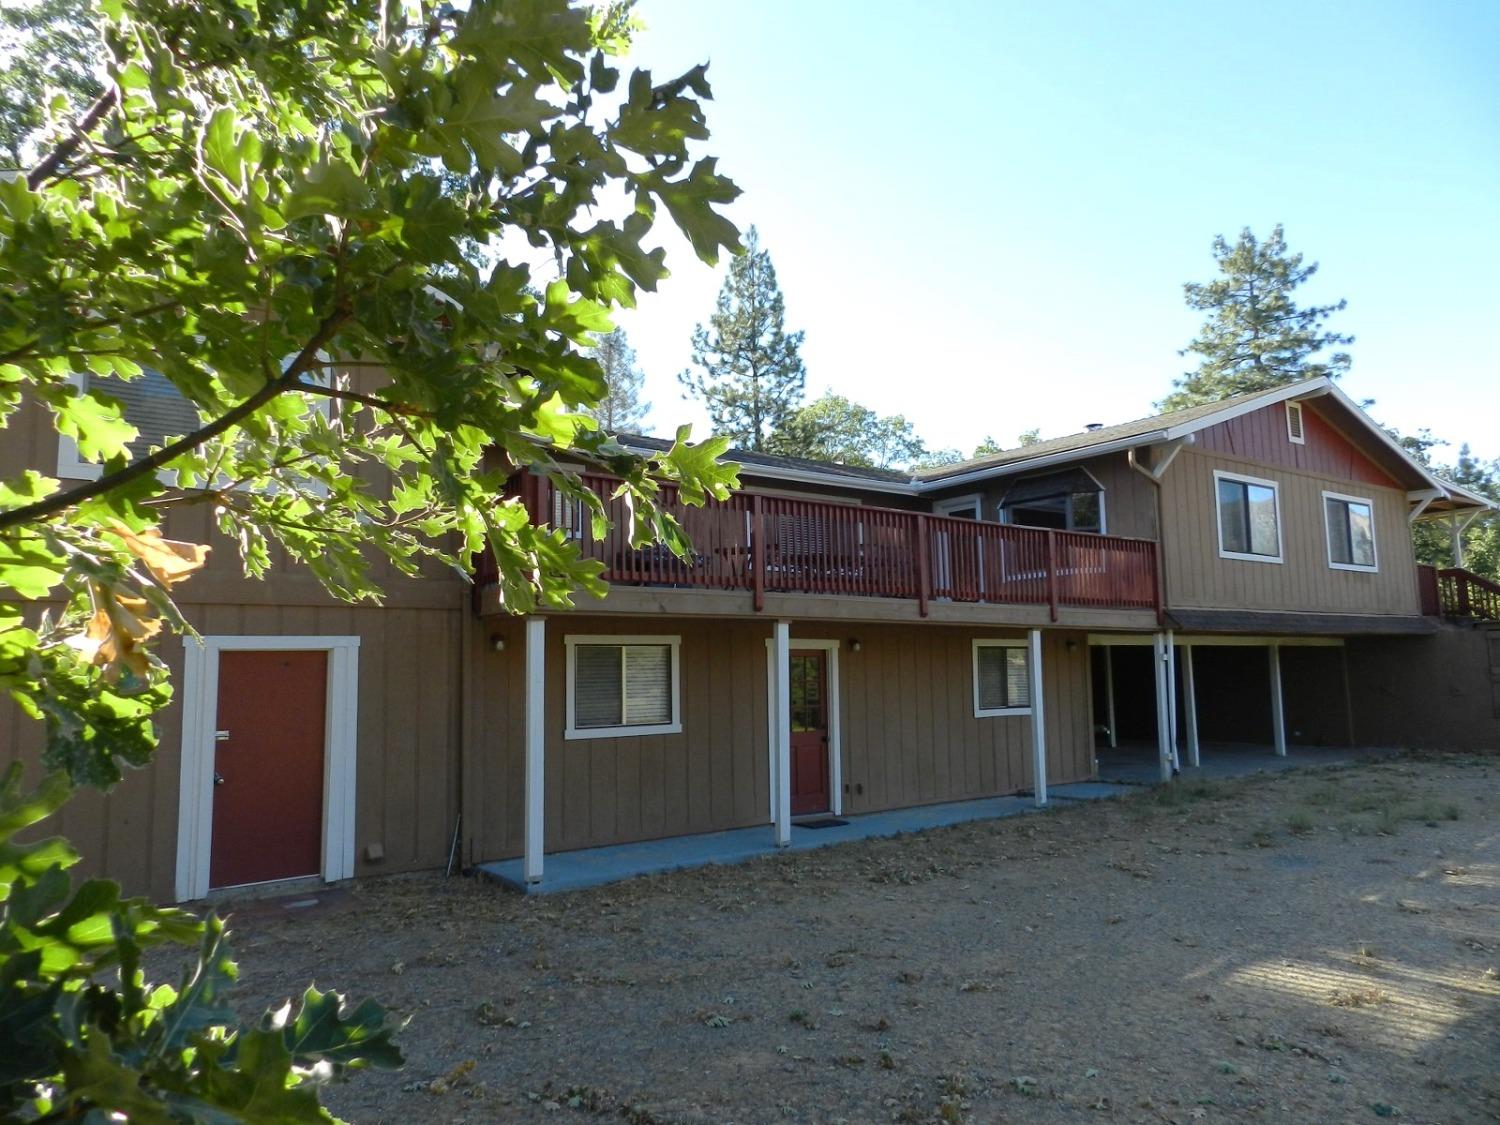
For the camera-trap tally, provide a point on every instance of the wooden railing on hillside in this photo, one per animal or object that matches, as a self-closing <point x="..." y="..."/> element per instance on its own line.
<point x="774" y="544"/>
<point x="1462" y="593"/>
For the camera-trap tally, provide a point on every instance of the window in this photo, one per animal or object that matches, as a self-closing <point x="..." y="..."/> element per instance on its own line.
<point x="958" y="507"/>
<point x="1294" y="429"/>
<point x="1249" y="518"/>
<point x="1350" y="521"/>
<point x="1002" y="678"/>
<point x="619" y="686"/>
<point x="149" y="402"/>
<point x="1068" y="501"/>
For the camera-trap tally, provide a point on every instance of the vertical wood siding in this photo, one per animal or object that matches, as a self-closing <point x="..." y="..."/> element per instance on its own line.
<point x="908" y="731"/>
<point x="1261" y="436"/>
<point x="1197" y="577"/>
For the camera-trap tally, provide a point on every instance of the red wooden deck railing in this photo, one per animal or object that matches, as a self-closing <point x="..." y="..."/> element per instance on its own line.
<point x="1427" y="591"/>
<point x="780" y="545"/>
<point x="1462" y="593"/>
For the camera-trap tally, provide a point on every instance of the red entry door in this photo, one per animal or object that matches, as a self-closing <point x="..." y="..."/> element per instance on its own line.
<point x="268" y="767"/>
<point x="810" y="789"/>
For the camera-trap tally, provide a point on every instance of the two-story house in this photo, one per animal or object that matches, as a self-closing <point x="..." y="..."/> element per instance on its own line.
<point x="841" y="641"/>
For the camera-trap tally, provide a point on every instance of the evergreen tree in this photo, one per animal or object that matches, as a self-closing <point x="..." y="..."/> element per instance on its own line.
<point x="1255" y="336"/>
<point x="750" y="375"/>
<point x="621" y="410"/>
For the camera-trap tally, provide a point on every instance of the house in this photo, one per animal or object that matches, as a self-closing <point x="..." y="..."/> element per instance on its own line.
<point x="841" y="641"/>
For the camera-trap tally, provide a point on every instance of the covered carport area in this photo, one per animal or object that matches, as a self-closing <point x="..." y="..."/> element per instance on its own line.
<point x="1171" y="701"/>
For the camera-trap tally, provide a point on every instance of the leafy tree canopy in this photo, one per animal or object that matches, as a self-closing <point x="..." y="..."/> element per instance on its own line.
<point x="749" y="372"/>
<point x="833" y="428"/>
<point x="372" y="244"/>
<point x="1256" y="336"/>
<point x="51" y="74"/>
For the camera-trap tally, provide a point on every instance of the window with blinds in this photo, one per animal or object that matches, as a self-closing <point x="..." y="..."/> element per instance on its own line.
<point x="622" y="687"/>
<point x="1002" y="678"/>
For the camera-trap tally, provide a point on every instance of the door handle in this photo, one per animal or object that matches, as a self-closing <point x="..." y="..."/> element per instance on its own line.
<point x="218" y="778"/>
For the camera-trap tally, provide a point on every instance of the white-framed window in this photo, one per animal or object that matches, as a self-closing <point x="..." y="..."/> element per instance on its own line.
<point x="1069" y="500"/>
<point x="1294" y="430"/>
<point x="960" y="507"/>
<point x="1350" y="524"/>
<point x="1002" y="678"/>
<point x="1249" y="517"/>
<point x="621" y="686"/>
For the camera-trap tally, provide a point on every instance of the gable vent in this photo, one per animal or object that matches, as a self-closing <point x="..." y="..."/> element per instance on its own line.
<point x="1294" y="423"/>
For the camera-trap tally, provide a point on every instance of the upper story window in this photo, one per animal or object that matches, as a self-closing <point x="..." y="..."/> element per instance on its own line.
<point x="1249" y="518"/>
<point x="149" y="402"/>
<point x="1350" y="522"/>
<point x="1071" y="500"/>
<point x="619" y="686"/>
<point x="1002" y="678"/>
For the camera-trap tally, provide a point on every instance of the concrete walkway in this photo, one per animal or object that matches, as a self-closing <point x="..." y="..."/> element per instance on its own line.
<point x="592" y="867"/>
<point x="1135" y="763"/>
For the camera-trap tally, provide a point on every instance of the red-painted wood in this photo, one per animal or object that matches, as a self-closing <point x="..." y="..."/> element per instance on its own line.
<point x="268" y="809"/>
<point x="763" y="543"/>
<point x="809" y="712"/>
<point x="1262" y="436"/>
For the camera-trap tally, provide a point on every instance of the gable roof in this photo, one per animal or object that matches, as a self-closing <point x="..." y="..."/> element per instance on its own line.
<point x="1437" y="495"/>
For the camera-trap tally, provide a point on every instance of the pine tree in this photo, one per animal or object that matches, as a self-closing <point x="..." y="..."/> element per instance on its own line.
<point x="751" y="376"/>
<point x="1255" y="336"/>
<point x="834" y="428"/>
<point x="621" y="410"/>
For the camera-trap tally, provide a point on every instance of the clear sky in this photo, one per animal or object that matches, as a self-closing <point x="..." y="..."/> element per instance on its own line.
<point x="982" y="214"/>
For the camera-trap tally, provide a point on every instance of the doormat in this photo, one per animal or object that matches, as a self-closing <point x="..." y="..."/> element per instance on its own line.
<point x="821" y="822"/>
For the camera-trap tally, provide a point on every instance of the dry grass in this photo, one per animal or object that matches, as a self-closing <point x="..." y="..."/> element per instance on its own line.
<point x="1135" y="960"/>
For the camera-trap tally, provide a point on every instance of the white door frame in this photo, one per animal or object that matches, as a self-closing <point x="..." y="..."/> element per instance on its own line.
<point x="835" y="739"/>
<point x="200" y="699"/>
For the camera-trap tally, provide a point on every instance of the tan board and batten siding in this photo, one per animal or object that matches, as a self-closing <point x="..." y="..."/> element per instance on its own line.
<point x="1257" y="445"/>
<point x="409" y="694"/>
<point x="917" y="745"/>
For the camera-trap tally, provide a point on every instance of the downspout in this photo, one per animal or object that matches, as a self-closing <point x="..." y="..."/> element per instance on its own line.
<point x="1161" y="554"/>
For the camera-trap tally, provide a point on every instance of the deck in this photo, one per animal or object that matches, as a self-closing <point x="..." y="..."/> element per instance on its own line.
<point x="771" y="545"/>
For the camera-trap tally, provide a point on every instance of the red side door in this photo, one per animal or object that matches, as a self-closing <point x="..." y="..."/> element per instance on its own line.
<point x="268" y="767"/>
<point x="809" y="706"/>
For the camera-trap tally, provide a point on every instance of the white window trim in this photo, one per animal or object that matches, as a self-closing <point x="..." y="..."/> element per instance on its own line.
<point x="1245" y="556"/>
<point x="959" y="503"/>
<point x="1003" y="517"/>
<point x="835" y="734"/>
<point x="1373" y="568"/>
<point x="1296" y="407"/>
<point x="573" y="732"/>
<point x="1031" y="676"/>
<point x="200" y="704"/>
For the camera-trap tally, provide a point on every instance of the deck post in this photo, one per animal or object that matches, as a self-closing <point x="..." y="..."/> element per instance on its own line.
<point x="1456" y="540"/>
<point x="1038" y="719"/>
<point x="1173" y="726"/>
<point x="536" y="731"/>
<point x="1163" y="712"/>
<point x="1109" y="695"/>
<point x="924" y="565"/>
<point x="1278" y="709"/>
<point x="1190" y="706"/>
<point x="1052" y="573"/>
<point x="781" y="751"/>
<point x="757" y="552"/>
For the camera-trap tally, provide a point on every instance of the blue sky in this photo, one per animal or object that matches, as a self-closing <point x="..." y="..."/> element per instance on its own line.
<point x="982" y="214"/>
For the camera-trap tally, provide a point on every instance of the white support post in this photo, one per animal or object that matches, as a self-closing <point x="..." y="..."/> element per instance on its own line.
<point x="1456" y="539"/>
<point x="1038" y="719"/>
<point x="1190" y="706"/>
<point x="1109" y="695"/>
<point x="1278" y="710"/>
<point x="536" y="741"/>
<point x="1163" y="710"/>
<point x="1172" y="723"/>
<point x="781" y="773"/>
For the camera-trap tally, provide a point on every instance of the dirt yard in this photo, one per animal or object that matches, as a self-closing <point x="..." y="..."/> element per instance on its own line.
<point x="1319" y="946"/>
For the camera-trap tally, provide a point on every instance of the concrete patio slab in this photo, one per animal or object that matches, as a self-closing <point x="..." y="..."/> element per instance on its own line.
<point x="593" y="867"/>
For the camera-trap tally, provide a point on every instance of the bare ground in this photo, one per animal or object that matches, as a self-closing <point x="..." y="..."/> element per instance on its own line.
<point x="1317" y="946"/>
